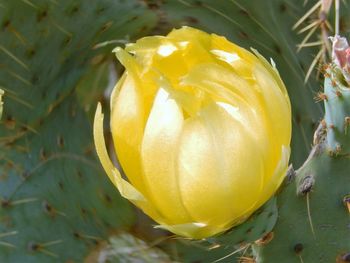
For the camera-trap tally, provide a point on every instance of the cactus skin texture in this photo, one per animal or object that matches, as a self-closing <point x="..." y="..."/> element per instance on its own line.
<point x="323" y="182"/>
<point x="55" y="202"/>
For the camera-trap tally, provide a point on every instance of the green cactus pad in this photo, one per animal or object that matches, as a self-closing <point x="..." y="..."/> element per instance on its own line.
<point x="56" y="203"/>
<point x="313" y="226"/>
<point x="337" y="111"/>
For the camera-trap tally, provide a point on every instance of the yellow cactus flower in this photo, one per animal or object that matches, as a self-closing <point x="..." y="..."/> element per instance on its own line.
<point x="201" y="128"/>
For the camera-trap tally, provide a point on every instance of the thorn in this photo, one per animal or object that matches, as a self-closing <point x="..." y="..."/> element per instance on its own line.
<point x="309" y="214"/>
<point x="50" y="243"/>
<point x="346" y="124"/>
<point x="343" y="258"/>
<point x="298" y="248"/>
<point x="23" y="201"/>
<point x="265" y="239"/>
<point x="60" y="28"/>
<point x="6" y="234"/>
<point x="51" y="210"/>
<point x="307" y="14"/>
<point x="334" y="83"/>
<point x="20" y="78"/>
<point x="246" y="260"/>
<point x="60" y="141"/>
<point x="33" y="246"/>
<point x="339" y="94"/>
<point x="306" y="38"/>
<point x="6" y="244"/>
<point x="320" y="133"/>
<point x="306" y="184"/>
<point x="30" y="4"/>
<point x="215" y="246"/>
<point x="313" y="64"/>
<point x="231" y="254"/>
<point x="290" y="175"/>
<point x="20" y="62"/>
<point x="312" y="44"/>
<point x="338" y="149"/>
<point x="42" y="154"/>
<point x="321" y="97"/>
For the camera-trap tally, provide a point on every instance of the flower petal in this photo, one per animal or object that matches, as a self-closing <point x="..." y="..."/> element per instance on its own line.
<point x="159" y="150"/>
<point x="124" y="187"/>
<point x="220" y="168"/>
<point x="126" y="190"/>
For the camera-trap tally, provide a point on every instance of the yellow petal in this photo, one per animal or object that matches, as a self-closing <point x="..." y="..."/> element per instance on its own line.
<point x="220" y="168"/>
<point x="277" y="112"/>
<point x="274" y="73"/>
<point x="193" y="230"/>
<point x="276" y="178"/>
<point x="127" y="114"/>
<point x="125" y="188"/>
<point x="159" y="150"/>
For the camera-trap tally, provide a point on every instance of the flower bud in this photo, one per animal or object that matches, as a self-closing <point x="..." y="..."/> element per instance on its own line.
<point x="201" y="128"/>
<point x="341" y="55"/>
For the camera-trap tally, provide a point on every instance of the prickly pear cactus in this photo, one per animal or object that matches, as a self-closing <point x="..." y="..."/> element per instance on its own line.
<point x="56" y="203"/>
